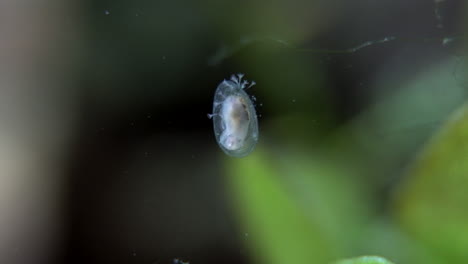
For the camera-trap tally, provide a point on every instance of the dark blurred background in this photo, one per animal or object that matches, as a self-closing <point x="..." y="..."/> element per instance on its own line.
<point x="106" y="151"/>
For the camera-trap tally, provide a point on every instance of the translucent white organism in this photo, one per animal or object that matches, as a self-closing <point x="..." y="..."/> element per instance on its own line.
<point x="234" y="118"/>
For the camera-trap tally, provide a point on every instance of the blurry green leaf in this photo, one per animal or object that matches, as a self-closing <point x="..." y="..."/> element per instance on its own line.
<point x="384" y="238"/>
<point x="295" y="208"/>
<point x="406" y="111"/>
<point x="432" y="204"/>
<point x="365" y="260"/>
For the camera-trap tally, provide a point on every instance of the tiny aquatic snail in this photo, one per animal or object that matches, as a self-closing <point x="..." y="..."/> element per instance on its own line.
<point x="234" y="118"/>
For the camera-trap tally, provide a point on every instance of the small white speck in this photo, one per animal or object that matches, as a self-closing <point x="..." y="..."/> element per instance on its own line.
<point x="446" y="41"/>
<point x="106" y="12"/>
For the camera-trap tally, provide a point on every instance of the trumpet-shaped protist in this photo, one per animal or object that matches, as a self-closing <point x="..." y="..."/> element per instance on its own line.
<point x="234" y="118"/>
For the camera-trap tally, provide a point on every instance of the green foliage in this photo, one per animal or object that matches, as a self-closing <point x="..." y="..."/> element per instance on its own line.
<point x="364" y="260"/>
<point x="432" y="204"/>
<point x="295" y="210"/>
<point x="314" y="192"/>
<point x="305" y="206"/>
